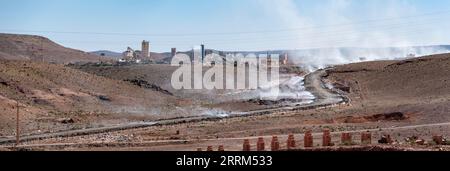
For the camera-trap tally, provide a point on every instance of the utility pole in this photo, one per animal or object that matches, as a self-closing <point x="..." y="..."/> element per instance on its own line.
<point x="17" y="125"/>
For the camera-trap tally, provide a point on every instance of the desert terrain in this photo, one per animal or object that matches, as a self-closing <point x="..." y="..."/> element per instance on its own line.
<point x="41" y="49"/>
<point x="107" y="107"/>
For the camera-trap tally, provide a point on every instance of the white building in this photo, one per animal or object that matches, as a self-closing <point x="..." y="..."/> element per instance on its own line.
<point x="129" y="53"/>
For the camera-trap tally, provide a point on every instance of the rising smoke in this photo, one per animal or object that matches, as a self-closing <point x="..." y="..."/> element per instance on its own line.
<point x="330" y="25"/>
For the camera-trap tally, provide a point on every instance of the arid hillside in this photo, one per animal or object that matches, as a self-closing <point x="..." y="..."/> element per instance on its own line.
<point x="418" y="86"/>
<point x="423" y="79"/>
<point x="50" y="93"/>
<point x="403" y="99"/>
<point x="37" y="48"/>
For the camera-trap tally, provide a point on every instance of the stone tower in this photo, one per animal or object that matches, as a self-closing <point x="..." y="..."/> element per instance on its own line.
<point x="173" y="52"/>
<point x="145" y="53"/>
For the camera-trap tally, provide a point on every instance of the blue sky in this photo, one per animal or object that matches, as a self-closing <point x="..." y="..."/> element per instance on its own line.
<point x="229" y="24"/>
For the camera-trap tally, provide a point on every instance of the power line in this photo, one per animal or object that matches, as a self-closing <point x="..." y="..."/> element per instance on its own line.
<point x="335" y="42"/>
<point x="306" y="37"/>
<point x="336" y="33"/>
<point x="230" y="33"/>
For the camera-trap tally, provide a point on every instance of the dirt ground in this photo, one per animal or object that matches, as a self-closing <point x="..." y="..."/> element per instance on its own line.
<point x="38" y="48"/>
<point x="400" y="98"/>
<point x="54" y="97"/>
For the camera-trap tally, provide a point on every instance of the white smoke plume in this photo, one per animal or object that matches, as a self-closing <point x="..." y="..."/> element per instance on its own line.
<point x="335" y="28"/>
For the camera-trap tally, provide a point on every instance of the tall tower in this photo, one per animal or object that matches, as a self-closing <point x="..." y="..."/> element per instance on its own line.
<point x="269" y="59"/>
<point x="145" y="53"/>
<point x="203" y="52"/>
<point x="173" y="52"/>
<point x="285" y="59"/>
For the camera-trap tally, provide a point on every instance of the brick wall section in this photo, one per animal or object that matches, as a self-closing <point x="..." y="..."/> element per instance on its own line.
<point x="246" y="146"/>
<point x="308" y="139"/>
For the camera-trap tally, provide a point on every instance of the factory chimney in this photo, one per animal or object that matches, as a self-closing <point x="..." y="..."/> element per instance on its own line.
<point x="203" y="52"/>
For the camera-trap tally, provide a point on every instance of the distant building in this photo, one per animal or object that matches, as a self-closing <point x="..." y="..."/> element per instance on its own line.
<point x="129" y="54"/>
<point x="137" y="56"/>
<point x="285" y="59"/>
<point x="203" y="52"/>
<point x="173" y="52"/>
<point x="145" y="52"/>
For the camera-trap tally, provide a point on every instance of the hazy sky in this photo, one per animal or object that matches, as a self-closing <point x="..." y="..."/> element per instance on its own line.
<point x="230" y="24"/>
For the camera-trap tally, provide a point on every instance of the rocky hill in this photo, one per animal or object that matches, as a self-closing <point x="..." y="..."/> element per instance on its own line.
<point x="50" y="95"/>
<point x="37" y="48"/>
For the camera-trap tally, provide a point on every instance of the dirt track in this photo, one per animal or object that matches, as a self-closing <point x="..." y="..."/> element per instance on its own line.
<point x="313" y="82"/>
<point x="232" y="144"/>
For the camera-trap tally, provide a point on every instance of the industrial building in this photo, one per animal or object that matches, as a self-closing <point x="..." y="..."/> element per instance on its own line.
<point x="145" y="51"/>
<point x="173" y="52"/>
<point x="131" y="55"/>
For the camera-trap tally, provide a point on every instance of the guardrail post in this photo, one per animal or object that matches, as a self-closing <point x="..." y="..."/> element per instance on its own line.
<point x="366" y="138"/>
<point x="260" y="145"/>
<point x="220" y="148"/>
<point x="308" y="139"/>
<point x="275" y="145"/>
<point x="326" y="138"/>
<point x="346" y="139"/>
<point x="291" y="142"/>
<point x="246" y="146"/>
